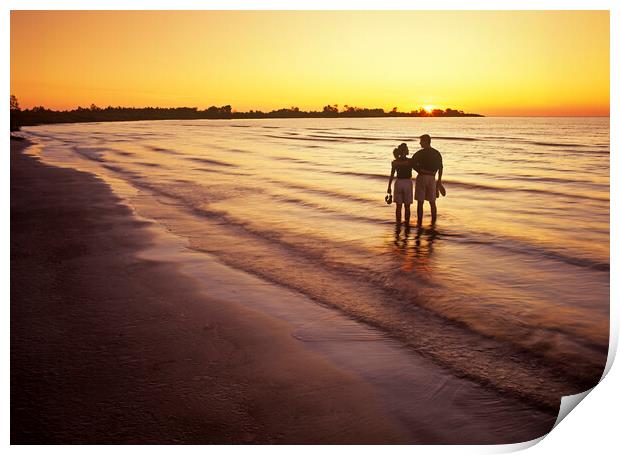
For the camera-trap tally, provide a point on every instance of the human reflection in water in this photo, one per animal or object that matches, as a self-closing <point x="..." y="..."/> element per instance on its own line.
<point x="415" y="249"/>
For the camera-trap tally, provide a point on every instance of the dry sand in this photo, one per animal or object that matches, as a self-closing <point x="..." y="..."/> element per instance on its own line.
<point x="108" y="347"/>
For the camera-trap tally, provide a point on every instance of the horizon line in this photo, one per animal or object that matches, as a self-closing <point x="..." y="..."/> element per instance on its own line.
<point x="333" y="105"/>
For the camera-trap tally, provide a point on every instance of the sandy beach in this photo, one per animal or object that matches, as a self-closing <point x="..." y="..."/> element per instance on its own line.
<point x="106" y="348"/>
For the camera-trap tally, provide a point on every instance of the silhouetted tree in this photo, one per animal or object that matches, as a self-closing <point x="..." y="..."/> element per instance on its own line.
<point x="14" y="103"/>
<point x="14" y="114"/>
<point x="227" y="110"/>
<point x="330" y="110"/>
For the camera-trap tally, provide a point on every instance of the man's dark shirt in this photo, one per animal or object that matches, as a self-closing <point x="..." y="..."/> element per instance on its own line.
<point x="428" y="160"/>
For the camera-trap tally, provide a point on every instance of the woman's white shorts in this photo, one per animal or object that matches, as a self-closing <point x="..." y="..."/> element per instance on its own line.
<point x="403" y="191"/>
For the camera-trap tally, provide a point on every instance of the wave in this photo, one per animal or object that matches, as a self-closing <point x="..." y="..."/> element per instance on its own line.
<point x="300" y="161"/>
<point x="162" y="149"/>
<point x="323" y="192"/>
<point x="573" y="145"/>
<point x="229" y="149"/>
<point x="535" y="178"/>
<point x="321" y="208"/>
<point x="553" y="144"/>
<point x="395" y="139"/>
<point x="346" y="138"/>
<point x="122" y="171"/>
<point x="302" y="138"/>
<point x="341" y="128"/>
<point x="456" y="138"/>
<point x="122" y="153"/>
<point x="517" y="140"/>
<point x="575" y="148"/>
<point x="93" y="154"/>
<point x="530" y="249"/>
<point x="487" y="187"/>
<point x="219" y="171"/>
<point x="210" y="161"/>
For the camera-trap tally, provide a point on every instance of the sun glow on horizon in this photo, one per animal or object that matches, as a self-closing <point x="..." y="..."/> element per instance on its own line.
<point x="487" y="62"/>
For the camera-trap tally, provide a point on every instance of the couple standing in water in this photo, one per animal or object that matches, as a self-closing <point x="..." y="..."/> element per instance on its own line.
<point x="426" y="162"/>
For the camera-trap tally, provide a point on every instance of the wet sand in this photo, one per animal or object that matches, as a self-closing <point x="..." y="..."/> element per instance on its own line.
<point x="119" y="334"/>
<point x="107" y="347"/>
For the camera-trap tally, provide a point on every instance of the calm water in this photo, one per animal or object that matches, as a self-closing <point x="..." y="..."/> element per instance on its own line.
<point x="510" y="289"/>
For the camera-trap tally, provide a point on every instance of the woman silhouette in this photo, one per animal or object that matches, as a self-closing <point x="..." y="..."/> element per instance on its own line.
<point x="403" y="188"/>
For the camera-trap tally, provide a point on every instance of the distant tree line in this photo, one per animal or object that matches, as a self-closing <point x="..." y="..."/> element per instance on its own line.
<point x="40" y="115"/>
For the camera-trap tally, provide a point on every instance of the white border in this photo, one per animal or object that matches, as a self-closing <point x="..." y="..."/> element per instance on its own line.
<point x="591" y="428"/>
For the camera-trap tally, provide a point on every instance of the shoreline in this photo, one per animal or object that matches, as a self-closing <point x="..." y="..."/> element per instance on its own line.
<point x="110" y="348"/>
<point x="408" y="395"/>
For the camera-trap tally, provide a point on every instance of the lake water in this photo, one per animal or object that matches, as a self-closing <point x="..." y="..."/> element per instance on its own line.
<point x="510" y="288"/>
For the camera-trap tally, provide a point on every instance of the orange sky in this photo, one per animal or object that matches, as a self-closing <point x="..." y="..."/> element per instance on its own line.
<point x="495" y="63"/>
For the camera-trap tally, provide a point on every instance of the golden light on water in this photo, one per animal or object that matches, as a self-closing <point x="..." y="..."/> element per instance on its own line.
<point x="493" y="62"/>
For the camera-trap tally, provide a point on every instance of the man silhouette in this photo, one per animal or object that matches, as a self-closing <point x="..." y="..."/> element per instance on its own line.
<point x="427" y="162"/>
